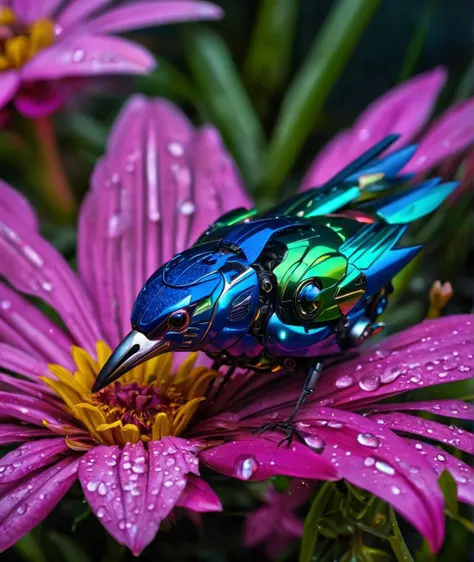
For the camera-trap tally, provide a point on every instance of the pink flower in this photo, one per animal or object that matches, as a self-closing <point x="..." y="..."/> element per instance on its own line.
<point x="43" y="43"/>
<point x="275" y="524"/>
<point x="404" y="110"/>
<point x="136" y="446"/>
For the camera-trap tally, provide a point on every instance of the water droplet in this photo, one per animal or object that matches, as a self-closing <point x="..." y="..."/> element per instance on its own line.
<point x="170" y="461"/>
<point x="335" y="425"/>
<point x="78" y="56"/>
<point x="101" y="512"/>
<point x="21" y="509"/>
<point x="102" y="489"/>
<point x="441" y="458"/>
<point x="186" y="207"/>
<point x="127" y="465"/>
<point x="5" y="305"/>
<point x="47" y="286"/>
<point x="92" y="486"/>
<point x="368" y="440"/>
<point x="369" y="383"/>
<point x="314" y="442"/>
<point x="344" y="381"/>
<point x="114" y="226"/>
<point x="395" y="490"/>
<point x="175" y="149"/>
<point x="246" y="467"/>
<point x="390" y="375"/>
<point x="138" y="469"/>
<point x="168" y="484"/>
<point x="385" y="468"/>
<point x="369" y="461"/>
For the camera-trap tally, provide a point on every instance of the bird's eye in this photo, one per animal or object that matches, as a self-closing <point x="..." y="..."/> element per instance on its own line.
<point x="179" y="320"/>
<point x="308" y="300"/>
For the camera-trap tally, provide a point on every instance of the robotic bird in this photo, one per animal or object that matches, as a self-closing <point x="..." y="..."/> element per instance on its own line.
<point x="290" y="287"/>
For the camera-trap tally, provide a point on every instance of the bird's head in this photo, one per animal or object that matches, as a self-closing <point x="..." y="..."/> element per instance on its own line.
<point x="202" y="299"/>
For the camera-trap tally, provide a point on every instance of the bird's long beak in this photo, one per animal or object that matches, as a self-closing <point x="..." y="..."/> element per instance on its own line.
<point x="133" y="350"/>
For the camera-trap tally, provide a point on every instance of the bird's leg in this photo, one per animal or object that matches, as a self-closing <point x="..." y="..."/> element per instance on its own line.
<point x="224" y="381"/>
<point x="288" y="426"/>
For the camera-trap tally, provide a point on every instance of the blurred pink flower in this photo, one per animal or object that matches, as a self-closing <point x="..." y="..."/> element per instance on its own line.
<point x="136" y="447"/>
<point x="45" y="42"/>
<point x="275" y="524"/>
<point x="404" y="110"/>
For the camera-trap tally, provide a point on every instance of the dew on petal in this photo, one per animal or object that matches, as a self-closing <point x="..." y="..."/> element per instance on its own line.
<point x="369" y="383"/>
<point x="175" y="149"/>
<point x="369" y="461"/>
<point x="314" y="442"/>
<point x="385" y="468"/>
<point x="368" y="440"/>
<point x="21" y="509"/>
<point x="245" y="467"/>
<point x="395" y="490"/>
<point x="344" y="381"/>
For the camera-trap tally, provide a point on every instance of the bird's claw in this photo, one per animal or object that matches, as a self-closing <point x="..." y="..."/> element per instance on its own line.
<point x="287" y="427"/>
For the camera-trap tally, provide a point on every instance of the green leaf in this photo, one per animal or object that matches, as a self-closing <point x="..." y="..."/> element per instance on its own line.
<point x="268" y="59"/>
<point x="225" y="99"/>
<point x="166" y="81"/>
<point x="28" y="547"/>
<point x="310" y="534"/>
<point x="450" y="491"/>
<point x="310" y="88"/>
<point x="68" y="548"/>
<point x="397" y="542"/>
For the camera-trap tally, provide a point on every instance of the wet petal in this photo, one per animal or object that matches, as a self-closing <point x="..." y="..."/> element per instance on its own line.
<point x="76" y="11"/>
<point x="31" y="456"/>
<point x="449" y="135"/>
<point x="139" y="215"/>
<point x="33" y="498"/>
<point x="199" y="496"/>
<point x="147" y="14"/>
<point x="32" y="340"/>
<point x="15" y="433"/>
<point x="403" y="110"/>
<point x="370" y="456"/>
<point x="441" y="460"/>
<point x="32" y="410"/>
<point x="448" y="408"/>
<point x="13" y="203"/>
<point x="433" y="352"/>
<point x="450" y="435"/>
<point x="88" y="55"/>
<point x="9" y="83"/>
<point x="34" y="267"/>
<point x="30" y="10"/>
<point x="259" y="459"/>
<point x="132" y="490"/>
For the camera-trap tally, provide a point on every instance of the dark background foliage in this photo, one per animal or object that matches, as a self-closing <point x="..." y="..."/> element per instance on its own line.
<point x="401" y="38"/>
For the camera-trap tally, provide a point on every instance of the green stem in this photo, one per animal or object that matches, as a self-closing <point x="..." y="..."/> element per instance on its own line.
<point x="55" y="185"/>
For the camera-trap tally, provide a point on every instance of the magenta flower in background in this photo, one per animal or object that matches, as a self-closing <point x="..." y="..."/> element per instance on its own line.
<point x="45" y="42"/>
<point x="275" y="523"/>
<point x="404" y="110"/>
<point x="137" y="445"/>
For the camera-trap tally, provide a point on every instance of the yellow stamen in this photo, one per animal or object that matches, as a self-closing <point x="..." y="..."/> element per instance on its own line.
<point x="21" y="43"/>
<point x="149" y="402"/>
<point x="7" y="16"/>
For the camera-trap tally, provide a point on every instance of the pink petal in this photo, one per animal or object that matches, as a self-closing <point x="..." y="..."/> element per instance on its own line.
<point x="31" y="10"/>
<point x="370" y="456"/>
<point x="441" y="460"/>
<point x="34" y="267"/>
<point x="9" y="83"/>
<point x="12" y="202"/>
<point x="328" y="162"/>
<point x="29" y="457"/>
<point x="132" y="490"/>
<point x="34" y="497"/>
<point x="88" y="55"/>
<point x="199" y="496"/>
<point x="27" y="331"/>
<point x="291" y="525"/>
<point x="433" y="352"/>
<point x="139" y="215"/>
<point x="32" y="410"/>
<point x="449" y="135"/>
<point x="256" y="458"/>
<point x="259" y="525"/>
<point x="14" y="433"/>
<point x="40" y="99"/>
<point x="448" y="408"/>
<point x="454" y="436"/>
<point x="403" y="110"/>
<point x="35" y="389"/>
<point x="77" y="11"/>
<point x="147" y="14"/>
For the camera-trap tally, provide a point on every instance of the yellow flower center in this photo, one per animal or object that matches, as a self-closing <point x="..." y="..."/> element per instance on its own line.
<point x="19" y="43"/>
<point x="147" y="403"/>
